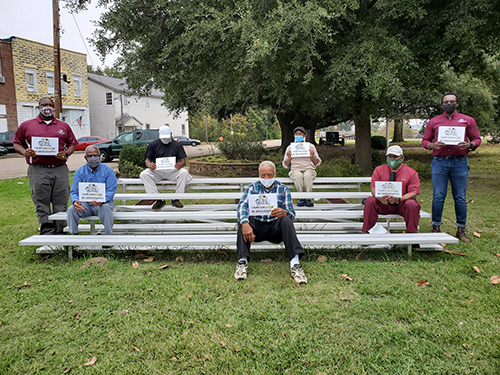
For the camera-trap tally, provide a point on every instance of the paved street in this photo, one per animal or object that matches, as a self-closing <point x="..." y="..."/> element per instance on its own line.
<point x="14" y="165"/>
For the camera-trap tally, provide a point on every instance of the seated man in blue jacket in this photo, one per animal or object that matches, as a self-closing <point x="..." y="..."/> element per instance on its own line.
<point x="275" y="226"/>
<point x="95" y="172"/>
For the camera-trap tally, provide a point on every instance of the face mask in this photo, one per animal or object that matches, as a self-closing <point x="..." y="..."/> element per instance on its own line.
<point x="299" y="138"/>
<point x="93" y="161"/>
<point x="166" y="141"/>
<point x="48" y="111"/>
<point x="394" y="163"/>
<point x="449" y="108"/>
<point x="267" y="182"/>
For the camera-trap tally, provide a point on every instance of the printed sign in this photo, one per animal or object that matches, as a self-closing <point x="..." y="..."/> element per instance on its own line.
<point x="300" y="149"/>
<point x="48" y="146"/>
<point x="262" y="204"/>
<point x="392" y="188"/>
<point x="451" y="135"/>
<point x="165" y="163"/>
<point x="91" y="191"/>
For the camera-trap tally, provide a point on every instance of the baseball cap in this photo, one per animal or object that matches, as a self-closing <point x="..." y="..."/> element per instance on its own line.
<point x="165" y="131"/>
<point x="301" y="128"/>
<point x="394" y="150"/>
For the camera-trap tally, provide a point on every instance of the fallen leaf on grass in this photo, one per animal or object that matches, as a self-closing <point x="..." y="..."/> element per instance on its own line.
<point x="179" y="259"/>
<point x="422" y="283"/>
<point x="20" y="183"/>
<point x="453" y="253"/>
<point x="223" y="344"/>
<point x="268" y="260"/>
<point x="497" y="254"/>
<point x="135" y="264"/>
<point x="137" y="349"/>
<point x="148" y="260"/>
<point x="66" y="370"/>
<point x="359" y="256"/>
<point x="91" y="362"/>
<point x="229" y="326"/>
<point x="477" y="234"/>
<point x="322" y="258"/>
<point x="78" y="316"/>
<point x="346" y="277"/>
<point x="495" y="279"/>
<point x="476" y="268"/>
<point x="164" y="266"/>
<point x="218" y="298"/>
<point x="443" y="244"/>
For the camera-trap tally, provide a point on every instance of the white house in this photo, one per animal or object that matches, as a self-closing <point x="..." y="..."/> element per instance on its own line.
<point x="113" y="111"/>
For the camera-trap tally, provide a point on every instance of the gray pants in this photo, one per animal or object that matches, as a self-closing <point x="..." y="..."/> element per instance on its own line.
<point x="50" y="192"/>
<point x="150" y="178"/>
<point x="104" y="211"/>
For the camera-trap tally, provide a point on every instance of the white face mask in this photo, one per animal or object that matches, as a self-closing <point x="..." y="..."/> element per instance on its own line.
<point x="267" y="182"/>
<point x="166" y="141"/>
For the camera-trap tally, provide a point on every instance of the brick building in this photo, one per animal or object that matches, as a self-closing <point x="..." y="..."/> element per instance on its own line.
<point x="28" y="71"/>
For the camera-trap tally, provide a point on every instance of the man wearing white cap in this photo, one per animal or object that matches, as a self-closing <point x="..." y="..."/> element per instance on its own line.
<point x="165" y="160"/>
<point x="404" y="204"/>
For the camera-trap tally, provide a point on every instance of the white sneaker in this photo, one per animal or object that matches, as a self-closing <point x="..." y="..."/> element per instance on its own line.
<point x="241" y="270"/>
<point x="298" y="274"/>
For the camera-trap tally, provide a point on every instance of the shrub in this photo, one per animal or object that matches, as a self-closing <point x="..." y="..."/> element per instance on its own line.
<point x="423" y="169"/>
<point x="132" y="162"/>
<point x="378" y="142"/>
<point x="241" y="148"/>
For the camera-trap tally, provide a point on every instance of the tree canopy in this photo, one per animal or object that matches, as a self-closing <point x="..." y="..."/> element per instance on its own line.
<point x="314" y="62"/>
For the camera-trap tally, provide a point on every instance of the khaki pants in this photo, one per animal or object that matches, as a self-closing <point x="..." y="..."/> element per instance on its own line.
<point x="303" y="180"/>
<point x="150" y="178"/>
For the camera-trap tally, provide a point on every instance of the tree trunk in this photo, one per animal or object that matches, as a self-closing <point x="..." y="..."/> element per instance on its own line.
<point x="363" y="149"/>
<point x="289" y="121"/>
<point x="398" y="130"/>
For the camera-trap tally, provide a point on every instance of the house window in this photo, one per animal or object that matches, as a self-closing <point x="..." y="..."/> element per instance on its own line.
<point x="125" y="100"/>
<point x="148" y="126"/>
<point x="183" y="129"/>
<point x="50" y="82"/>
<point x="146" y="102"/>
<point x="77" y="86"/>
<point x="109" y="98"/>
<point x="1" y="74"/>
<point x="64" y="85"/>
<point x="31" y="85"/>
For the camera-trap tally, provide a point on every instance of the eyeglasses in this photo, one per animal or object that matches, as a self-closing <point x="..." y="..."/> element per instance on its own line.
<point x="450" y="102"/>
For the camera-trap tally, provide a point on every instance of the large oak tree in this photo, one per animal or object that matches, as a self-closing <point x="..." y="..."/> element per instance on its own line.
<point x="315" y="62"/>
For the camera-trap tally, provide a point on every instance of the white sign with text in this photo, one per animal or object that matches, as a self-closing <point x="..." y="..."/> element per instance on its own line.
<point x="262" y="204"/>
<point x="392" y="188"/>
<point x="48" y="146"/>
<point x="92" y="191"/>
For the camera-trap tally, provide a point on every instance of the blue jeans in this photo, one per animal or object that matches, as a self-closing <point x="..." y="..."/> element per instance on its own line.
<point x="456" y="171"/>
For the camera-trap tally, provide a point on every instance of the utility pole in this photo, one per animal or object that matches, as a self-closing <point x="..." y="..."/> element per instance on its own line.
<point x="57" y="59"/>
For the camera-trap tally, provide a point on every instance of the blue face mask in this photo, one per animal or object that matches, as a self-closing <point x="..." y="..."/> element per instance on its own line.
<point x="299" y="138"/>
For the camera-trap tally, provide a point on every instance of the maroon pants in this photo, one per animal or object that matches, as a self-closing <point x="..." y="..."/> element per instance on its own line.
<point x="410" y="210"/>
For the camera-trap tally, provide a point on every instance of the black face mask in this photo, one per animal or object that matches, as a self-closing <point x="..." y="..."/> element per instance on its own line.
<point x="449" y="108"/>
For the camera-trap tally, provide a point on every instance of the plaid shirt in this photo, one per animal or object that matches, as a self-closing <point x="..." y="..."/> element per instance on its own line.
<point x="284" y="201"/>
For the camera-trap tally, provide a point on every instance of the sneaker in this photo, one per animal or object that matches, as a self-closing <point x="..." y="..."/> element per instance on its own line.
<point x="309" y="203"/>
<point x="461" y="235"/>
<point x="301" y="203"/>
<point x="436" y="228"/>
<point x="241" y="270"/>
<point x="177" y="203"/>
<point x="298" y="274"/>
<point x="158" y="204"/>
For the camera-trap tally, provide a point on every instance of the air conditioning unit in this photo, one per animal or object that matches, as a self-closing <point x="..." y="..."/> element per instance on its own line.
<point x="2" y="79"/>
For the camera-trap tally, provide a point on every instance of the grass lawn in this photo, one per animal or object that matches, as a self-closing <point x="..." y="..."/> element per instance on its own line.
<point x="193" y="318"/>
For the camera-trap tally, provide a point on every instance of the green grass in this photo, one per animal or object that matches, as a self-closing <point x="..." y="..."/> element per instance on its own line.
<point x="193" y="318"/>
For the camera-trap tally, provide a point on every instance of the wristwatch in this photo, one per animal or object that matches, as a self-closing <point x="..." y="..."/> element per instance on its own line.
<point x="472" y="146"/>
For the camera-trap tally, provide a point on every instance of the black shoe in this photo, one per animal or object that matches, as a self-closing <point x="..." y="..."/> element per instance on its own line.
<point x="159" y="204"/>
<point x="177" y="203"/>
<point x="436" y="229"/>
<point x="309" y="203"/>
<point x="301" y="203"/>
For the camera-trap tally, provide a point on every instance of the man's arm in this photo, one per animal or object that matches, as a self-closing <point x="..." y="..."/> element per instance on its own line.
<point x="111" y="184"/>
<point x="428" y="138"/>
<point x="180" y="164"/>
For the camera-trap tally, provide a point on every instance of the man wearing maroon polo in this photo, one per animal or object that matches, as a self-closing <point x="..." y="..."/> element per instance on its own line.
<point x="450" y="162"/>
<point x="405" y="205"/>
<point x="47" y="142"/>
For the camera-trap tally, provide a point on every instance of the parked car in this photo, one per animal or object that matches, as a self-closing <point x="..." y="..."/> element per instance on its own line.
<point x="187" y="141"/>
<point x="3" y="151"/>
<point x="6" y="139"/>
<point x="111" y="149"/>
<point x="83" y="142"/>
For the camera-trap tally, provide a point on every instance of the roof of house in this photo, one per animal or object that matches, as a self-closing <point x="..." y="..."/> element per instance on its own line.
<point x="117" y="84"/>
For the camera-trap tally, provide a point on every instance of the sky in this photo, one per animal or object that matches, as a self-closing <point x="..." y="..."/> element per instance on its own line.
<point x="32" y="19"/>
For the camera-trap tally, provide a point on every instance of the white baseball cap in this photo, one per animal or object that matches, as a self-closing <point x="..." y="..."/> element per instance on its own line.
<point x="165" y="132"/>
<point x="394" y="150"/>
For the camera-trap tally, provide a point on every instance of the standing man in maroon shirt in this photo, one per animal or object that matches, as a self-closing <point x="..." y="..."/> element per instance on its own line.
<point x="47" y="142"/>
<point x="405" y="204"/>
<point x="450" y="161"/>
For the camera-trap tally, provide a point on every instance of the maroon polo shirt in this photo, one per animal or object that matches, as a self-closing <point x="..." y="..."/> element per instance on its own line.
<point x="39" y="128"/>
<point x="457" y="120"/>
<point x="407" y="175"/>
